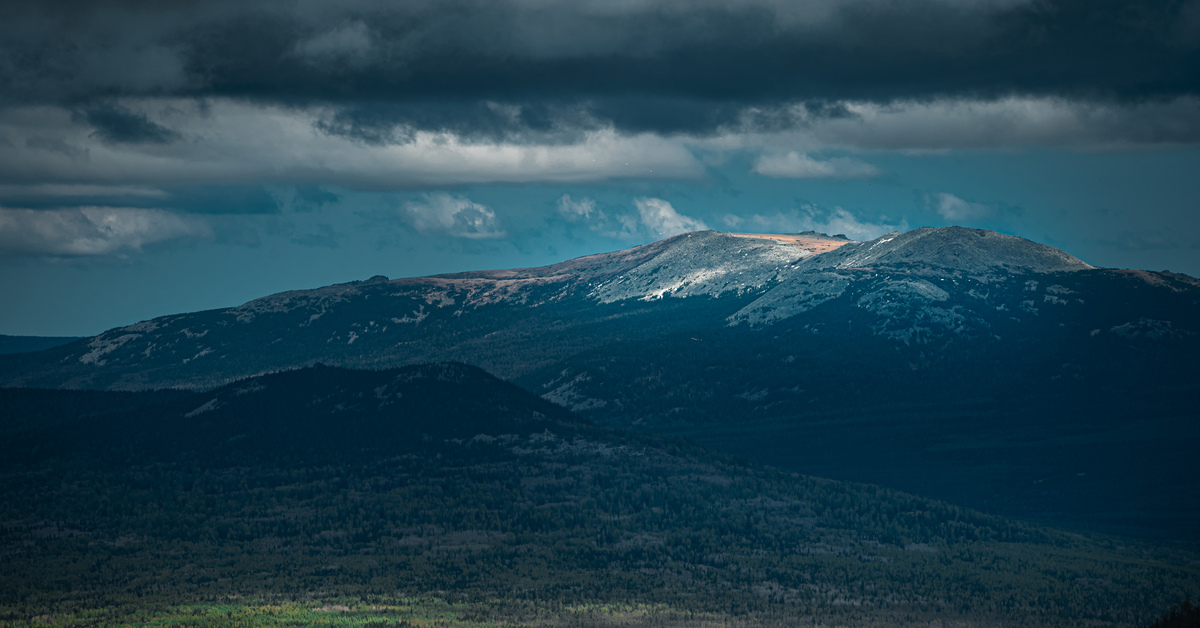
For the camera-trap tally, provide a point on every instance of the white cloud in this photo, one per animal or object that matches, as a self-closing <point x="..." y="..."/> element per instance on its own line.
<point x="812" y="218"/>
<point x="951" y="124"/>
<point x="625" y="228"/>
<point x="953" y="208"/>
<point x="583" y="209"/>
<point x="842" y="221"/>
<point x="794" y="165"/>
<point x="90" y="231"/>
<point x="661" y="219"/>
<point x="453" y="215"/>
<point x="230" y="142"/>
<point x="654" y="217"/>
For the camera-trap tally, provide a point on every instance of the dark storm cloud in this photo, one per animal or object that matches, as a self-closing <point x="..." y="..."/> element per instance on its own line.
<point x="122" y="126"/>
<point x="383" y="123"/>
<point x="58" y="196"/>
<point x="505" y="69"/>
<point x="201" y="199"/>
<point x="545" y="121"/>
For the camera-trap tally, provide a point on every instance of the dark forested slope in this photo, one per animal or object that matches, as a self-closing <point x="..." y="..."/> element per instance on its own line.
<point x="441" y="480"/>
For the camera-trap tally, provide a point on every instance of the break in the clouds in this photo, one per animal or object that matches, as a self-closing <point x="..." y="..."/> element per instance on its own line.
<point x="91" y="231"/>
<point x="443" y="214"/>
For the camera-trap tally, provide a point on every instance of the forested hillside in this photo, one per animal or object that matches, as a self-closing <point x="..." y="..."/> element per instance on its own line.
<point x="333" y="487"/>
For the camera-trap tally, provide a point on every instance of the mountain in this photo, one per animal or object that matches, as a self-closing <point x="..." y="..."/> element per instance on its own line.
<point x="481" y="317"/>
<point x="500" y="319"/>
<point x="963" y="364"/>
<point x="375" y="493"/>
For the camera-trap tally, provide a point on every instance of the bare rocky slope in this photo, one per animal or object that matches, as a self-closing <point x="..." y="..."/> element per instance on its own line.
<point x="960" y="363"/>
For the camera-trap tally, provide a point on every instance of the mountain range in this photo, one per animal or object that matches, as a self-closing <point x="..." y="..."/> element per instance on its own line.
<point x="961" y="364"/>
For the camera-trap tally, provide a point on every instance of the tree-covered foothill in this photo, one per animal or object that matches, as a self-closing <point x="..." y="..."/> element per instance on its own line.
<point x="1183" y="615"/>
<point x="349" y="491"/>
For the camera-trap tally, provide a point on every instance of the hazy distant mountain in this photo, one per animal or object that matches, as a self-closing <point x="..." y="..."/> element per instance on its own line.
<point x="960" y="363"/>
<point x="23" y="344"/>
<point x="441" y="480"/>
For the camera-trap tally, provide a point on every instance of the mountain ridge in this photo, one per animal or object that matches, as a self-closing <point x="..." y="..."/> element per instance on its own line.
<point x="754" y="346"/>
<point x="960" y="249"/>
<point x="785" y="278"/>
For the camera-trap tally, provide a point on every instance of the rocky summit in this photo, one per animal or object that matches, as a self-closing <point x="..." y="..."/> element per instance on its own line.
<point x="952" y="249"/>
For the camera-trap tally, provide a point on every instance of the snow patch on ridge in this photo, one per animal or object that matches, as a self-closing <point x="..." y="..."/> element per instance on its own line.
<point x="702" y="263"/>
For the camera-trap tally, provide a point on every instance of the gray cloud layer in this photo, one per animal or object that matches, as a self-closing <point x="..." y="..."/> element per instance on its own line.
<point x="202" y="107"/>
<point x="659" y="66"/>
<point x="91" y="231"/>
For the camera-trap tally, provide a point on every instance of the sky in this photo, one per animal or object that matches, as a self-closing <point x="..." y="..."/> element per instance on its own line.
<point x="163" y="157"/>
